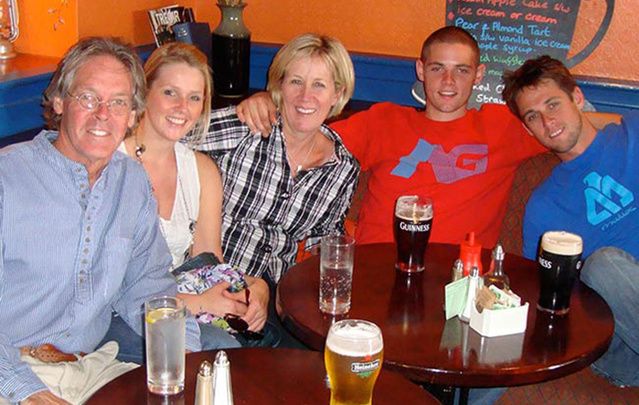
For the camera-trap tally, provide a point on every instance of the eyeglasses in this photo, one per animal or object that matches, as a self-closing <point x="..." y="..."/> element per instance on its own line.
<point x="91" y="102"/>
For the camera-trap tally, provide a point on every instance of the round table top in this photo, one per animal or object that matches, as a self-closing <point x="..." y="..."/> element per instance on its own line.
<point x="422" y="345"/>
<point x="261" y="376"/>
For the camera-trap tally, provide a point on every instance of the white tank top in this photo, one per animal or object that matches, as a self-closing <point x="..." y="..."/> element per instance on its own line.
<point x="178" y="230"/>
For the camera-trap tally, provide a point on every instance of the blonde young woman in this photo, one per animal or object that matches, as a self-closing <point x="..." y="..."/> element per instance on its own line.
<point x="187" y="184"/>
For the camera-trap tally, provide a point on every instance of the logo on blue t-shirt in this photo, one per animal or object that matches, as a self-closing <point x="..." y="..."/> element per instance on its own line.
<point x="605" y="197"/>
<point x="462" y="161"/>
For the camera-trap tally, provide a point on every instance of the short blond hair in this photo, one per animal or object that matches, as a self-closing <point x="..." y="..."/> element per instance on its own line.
<point x="179" y="52"/>
<point x="451" y="35"/>
<point x="330" y="50"/>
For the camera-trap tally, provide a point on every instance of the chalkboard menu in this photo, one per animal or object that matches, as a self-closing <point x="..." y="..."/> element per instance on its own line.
<point x="511" y="31"/>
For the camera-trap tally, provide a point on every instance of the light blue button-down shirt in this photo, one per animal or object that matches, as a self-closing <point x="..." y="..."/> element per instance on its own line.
<point x="71" y="254"/>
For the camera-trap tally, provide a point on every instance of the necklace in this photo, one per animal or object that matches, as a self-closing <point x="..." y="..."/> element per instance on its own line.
<point x="299" y="166"/>
<point x="139" y="149"/>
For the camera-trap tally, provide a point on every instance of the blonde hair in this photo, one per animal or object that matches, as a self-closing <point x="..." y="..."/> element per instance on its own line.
<point x="76" y="56"/>
<point x="330" y="50"/>
<point x="179" y="52"/>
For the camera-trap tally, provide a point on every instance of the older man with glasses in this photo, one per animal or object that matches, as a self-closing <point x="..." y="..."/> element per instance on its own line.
<point x="79" y="232"/>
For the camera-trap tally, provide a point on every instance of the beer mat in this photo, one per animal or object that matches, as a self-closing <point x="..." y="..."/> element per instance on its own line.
<point x="455" y="297"/>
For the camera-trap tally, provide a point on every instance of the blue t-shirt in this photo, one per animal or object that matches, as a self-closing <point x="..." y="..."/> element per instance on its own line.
<point x="595" y="195"/>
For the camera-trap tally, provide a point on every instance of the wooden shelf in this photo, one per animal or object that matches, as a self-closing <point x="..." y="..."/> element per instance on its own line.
<point x="25" y="65"/>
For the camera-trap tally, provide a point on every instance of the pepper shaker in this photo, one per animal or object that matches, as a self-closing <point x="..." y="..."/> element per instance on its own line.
<point x="204" y="384"/>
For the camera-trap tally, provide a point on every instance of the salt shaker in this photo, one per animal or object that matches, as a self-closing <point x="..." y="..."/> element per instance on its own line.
<point x="204" y="384"/>
<point x="222" y="391"/>
<point x="474" y="285"/>
<point x="458" y="270"/>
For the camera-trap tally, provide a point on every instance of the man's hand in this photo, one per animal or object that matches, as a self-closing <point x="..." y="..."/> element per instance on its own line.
<point x="258" y="112"/>
<point x="257" y="311"/>
<point x="43" y="398"/>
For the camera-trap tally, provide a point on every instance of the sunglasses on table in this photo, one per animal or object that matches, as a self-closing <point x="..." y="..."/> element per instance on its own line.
<point x="240" y="326"/>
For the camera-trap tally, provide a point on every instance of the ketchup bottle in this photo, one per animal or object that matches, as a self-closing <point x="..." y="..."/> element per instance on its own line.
<point x="470" y="254"/>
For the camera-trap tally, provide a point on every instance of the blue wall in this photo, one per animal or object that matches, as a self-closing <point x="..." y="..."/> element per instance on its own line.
<point x="20" y="108"/>
<point x="390" y="79"/>
<point x="378" y="78"/>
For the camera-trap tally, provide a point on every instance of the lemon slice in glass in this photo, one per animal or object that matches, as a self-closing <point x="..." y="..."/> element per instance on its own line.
<point x="159" y="313"/>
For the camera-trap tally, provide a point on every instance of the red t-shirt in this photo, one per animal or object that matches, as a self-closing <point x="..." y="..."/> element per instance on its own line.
<point x="466" y="166"/>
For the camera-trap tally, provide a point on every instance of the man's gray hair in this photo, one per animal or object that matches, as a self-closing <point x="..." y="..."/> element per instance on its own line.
<point x="76" y="56"/>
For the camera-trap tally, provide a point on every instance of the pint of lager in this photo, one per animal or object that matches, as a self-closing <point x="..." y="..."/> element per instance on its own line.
<point x="559" y="262"/>
<point x="353" y="358"/>
<point x="413" y="222"/>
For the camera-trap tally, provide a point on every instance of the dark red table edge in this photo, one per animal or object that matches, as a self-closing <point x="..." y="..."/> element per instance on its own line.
<point x="507" y="377"/>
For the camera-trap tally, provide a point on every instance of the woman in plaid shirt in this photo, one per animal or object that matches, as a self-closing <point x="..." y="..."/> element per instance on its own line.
<point x="297" y="183"/>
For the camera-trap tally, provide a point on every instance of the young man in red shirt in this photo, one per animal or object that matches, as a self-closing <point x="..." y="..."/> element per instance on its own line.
<point x="464" y="159"/>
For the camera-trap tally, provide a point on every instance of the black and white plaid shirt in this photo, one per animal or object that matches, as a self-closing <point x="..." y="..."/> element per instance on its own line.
<point x="266" y="212"/>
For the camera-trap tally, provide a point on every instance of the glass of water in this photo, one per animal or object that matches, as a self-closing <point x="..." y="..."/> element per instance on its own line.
<point x="336" y="274"/>
<point x="165" y="331"/>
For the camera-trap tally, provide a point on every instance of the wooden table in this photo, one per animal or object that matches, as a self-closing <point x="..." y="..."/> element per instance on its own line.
<point x="422" y="345"/>
<point x="261" y="376"/>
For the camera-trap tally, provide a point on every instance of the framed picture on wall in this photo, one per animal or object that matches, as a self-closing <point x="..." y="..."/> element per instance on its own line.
<point x="163" y="19"/>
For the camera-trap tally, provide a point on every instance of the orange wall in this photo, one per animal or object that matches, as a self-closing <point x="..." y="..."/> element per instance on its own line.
<point x="616" y="55"/>
<point x="37" y="33"/>
<point x="121" y="18"/>
<point x="383" y="26"/>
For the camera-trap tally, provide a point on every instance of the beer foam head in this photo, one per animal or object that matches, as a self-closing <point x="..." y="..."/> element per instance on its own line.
<point x="562" y="243"/>
<point x="414" y="208"/>
<point x="355" y="338"/>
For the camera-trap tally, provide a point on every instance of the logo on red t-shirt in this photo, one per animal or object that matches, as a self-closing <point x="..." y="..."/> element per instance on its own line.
<point x="462" y="161"/>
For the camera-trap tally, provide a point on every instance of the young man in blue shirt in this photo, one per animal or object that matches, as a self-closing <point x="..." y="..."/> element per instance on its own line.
<point x="592" y="193"/>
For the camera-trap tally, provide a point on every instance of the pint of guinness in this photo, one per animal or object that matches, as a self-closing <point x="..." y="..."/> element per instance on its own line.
<point x="559" y="262"/>
<point x="412" y="224"/>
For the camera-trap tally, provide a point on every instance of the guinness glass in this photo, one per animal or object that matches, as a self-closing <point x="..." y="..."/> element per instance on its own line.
<point x="412" y="225"/>
<point x="559" y="262"/>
